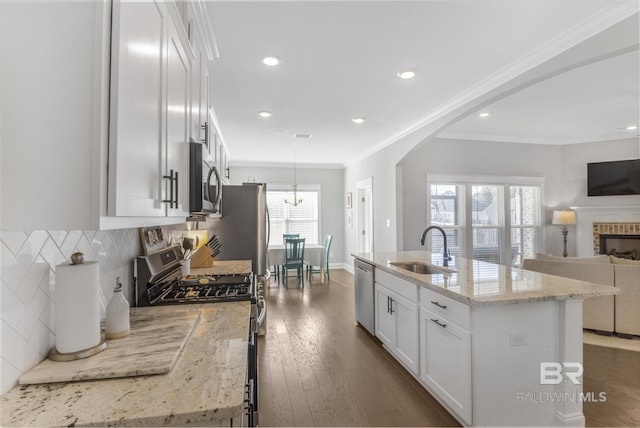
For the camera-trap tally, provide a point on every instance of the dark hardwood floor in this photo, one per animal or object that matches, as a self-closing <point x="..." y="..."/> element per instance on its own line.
<point x="615" y="372"/>
<point x="317" y="368"/>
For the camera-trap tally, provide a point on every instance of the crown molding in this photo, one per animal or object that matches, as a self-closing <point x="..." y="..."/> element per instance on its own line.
<point x="204" y="23"/>
<point x="259" y="164"/>
<point x="554" y="141"/>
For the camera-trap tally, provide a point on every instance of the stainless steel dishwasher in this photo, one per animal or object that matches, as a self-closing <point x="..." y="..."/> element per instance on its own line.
<point x="364" y="277"/>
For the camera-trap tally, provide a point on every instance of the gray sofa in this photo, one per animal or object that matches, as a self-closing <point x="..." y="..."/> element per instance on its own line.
<point x="619" y="313"/>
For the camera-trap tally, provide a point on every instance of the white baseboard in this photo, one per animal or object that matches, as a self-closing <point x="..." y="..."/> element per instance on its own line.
<point x="345" y="266"/>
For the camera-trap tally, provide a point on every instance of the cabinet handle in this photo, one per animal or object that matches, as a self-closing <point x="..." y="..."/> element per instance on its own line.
<point x="388" y="304"/>
<point x="206" y="134"/>
<point x="176" y="191"/>
<point x="439" y="323"/>
<point x="170" y="178"/>
<point x="439" y="305"/>
<point x="391" y="306"/>
<point x="173" y="195"/>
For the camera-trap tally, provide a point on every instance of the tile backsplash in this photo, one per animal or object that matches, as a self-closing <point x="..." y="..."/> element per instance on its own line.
<point x="27" y="281"/>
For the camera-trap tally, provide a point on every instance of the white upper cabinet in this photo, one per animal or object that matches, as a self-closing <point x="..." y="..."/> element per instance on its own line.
<point x="97" y="139"/>
<point x="149" y="113"/>
<point x="137" y="109"/>
<point x="199" y="86"/>
<point x="177" y="147"/>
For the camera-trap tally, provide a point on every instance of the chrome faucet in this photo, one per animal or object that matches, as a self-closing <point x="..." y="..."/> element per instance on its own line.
<point x="445" y="253"/>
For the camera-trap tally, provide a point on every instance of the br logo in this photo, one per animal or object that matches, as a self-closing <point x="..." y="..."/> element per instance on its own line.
<point x="551" y="373"/>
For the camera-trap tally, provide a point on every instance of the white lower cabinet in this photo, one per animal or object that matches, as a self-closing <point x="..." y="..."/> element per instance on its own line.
<point x="406" y="331"/>
<point x="445" y="362"/>
<point x="396" y="321"/>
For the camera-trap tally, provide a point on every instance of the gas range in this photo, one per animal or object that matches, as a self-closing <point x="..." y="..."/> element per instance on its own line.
<point x="208" y="288"/>
<point x="158" y="281"/>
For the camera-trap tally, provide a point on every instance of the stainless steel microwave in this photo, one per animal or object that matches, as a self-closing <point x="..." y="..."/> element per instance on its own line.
<point x="205" y="187"/>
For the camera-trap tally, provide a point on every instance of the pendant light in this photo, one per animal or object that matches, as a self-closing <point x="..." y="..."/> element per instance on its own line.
<point x="296" y="201"/>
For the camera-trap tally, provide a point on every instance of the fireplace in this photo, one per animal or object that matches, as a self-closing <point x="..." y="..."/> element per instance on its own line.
<point x="617" y="239"/>
<point x="623" y="246"/>
<point x="621" y="223"/>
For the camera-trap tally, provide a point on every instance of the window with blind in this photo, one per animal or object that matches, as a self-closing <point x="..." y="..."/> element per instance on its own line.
<point x="447" y="211"/>
<point x="286" y="218"/>
<point x="525" y="221"/>
<point x="492" y="222"/>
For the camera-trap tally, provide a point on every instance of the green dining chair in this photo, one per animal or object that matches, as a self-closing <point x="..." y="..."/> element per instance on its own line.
<point x="285" y="236"/>
<point x="325" y="259"/>
<point x="294" y="258"/>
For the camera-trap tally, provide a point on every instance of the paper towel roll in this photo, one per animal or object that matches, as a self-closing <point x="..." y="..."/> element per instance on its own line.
<point x="77" y="307"/>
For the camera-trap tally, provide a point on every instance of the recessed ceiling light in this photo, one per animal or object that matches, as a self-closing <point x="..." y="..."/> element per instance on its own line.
<point x="302" y="136"/>
<point x="264" y="113"/>
<point x="631" y="127"/>
<point x="484" y="114"/>
<point x="358" y="120"/>
<point x="270" y="60"/>
<point x="407" y="74"/>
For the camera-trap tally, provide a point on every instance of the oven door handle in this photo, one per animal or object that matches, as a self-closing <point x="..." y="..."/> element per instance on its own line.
<point x="263" y="311"/>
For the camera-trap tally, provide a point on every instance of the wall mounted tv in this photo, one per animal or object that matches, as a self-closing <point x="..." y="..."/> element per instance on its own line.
<point x="613" y="178"/>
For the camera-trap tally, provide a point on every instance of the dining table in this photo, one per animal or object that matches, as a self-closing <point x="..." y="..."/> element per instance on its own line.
<point x="312" y="256"/>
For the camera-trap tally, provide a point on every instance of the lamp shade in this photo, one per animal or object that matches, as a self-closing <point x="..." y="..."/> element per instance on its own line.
<point x="564" y="217"/>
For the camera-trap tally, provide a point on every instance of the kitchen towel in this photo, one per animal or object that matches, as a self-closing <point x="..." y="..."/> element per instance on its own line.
<point x="77" y="307"/>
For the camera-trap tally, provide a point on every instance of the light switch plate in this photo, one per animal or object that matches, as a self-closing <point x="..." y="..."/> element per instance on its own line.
<point x="518" y="338"/>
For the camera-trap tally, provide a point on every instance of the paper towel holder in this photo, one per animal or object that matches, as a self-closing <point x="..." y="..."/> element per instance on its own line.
<point x="77" y="258"/>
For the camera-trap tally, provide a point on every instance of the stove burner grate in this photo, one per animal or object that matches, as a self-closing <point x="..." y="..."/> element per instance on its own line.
<point x="208" y="288"/>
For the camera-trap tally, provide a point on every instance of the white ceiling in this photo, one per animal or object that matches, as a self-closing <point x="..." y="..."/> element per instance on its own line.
<point x="339" y="60"/>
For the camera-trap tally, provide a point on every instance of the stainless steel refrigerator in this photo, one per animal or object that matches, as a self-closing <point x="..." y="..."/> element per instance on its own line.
<point x="243" y="229"/>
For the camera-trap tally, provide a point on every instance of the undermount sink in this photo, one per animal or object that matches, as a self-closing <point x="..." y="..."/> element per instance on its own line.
<point x="423" y="268"/>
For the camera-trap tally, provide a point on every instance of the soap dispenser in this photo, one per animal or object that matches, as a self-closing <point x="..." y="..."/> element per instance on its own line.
<point x="117" y="314"/>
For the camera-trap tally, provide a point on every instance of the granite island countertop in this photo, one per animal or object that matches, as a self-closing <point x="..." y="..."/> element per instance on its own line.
<point x="205" y="386"/>
<point x="480" y="283"/>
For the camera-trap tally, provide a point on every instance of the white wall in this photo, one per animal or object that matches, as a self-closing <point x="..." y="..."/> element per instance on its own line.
<point x="381" y="168"/>
<point x="332" y="196"/>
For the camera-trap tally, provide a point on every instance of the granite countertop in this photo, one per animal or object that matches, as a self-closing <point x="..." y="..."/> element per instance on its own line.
<point x="205" y="386"/>
<point x="480" y="283"/>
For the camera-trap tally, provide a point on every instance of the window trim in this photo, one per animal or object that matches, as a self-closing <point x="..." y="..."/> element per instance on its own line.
<point x="505" y="228"/>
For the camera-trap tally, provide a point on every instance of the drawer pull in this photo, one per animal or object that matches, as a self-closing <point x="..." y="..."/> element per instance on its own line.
<point x="439" y="323"/>
<point x="439" y="305"/>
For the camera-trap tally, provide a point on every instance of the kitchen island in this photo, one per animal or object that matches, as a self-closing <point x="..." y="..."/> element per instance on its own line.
<point x="205" y="387"/>
<point x="496" y="345"/>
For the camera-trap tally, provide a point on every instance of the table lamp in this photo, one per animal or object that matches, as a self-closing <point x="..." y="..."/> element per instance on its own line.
<point x="564" y="218"/>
